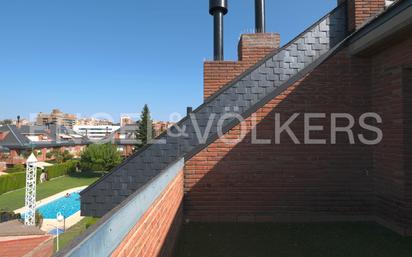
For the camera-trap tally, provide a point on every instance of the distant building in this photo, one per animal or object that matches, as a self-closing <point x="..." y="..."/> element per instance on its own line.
<point x="124" y="138"/>
<point x="17" y="141"/>
<point x="93" y="122"/>
<point x="56" y="117"/>
<point x="125" y="120"/>
<point x="161" y="126"/>
<point x="21" y="122"/>
<point x="95" y="133"/>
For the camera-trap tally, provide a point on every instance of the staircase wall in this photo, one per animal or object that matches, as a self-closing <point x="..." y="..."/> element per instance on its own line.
<point x="250" y="182"/>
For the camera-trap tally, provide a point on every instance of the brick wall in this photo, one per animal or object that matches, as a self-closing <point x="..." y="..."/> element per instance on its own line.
<point x="251" y="49"/>
<point x="157" y="231"/>
<point x="244" y="182"/>
<point x="3" y="135"/>
<point x="289" y="182"/>
<point x="391" y="99"/>
<point x="360" y="11"/>
<point x="407" y="91"/>
<point x="3" y="165"/>
<point x="30" y="246"/>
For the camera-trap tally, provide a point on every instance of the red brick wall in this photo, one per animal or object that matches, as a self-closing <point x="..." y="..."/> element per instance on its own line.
<point x="3" y="165"/>
<point x="3" y="135"/>
<point x="251" y="49"/>
<point x="407" y="91"/>
<point x="391" y="99"/>
<point x="31" y="246"/>
<point x="157" y="230"/>
<point x="245" y="182"/>
<point x="360" y="11"/>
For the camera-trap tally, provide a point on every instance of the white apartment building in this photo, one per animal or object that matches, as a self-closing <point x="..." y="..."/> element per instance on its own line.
<point x="95" y="132"/>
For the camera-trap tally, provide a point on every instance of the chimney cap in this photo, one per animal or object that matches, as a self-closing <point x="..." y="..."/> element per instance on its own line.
<point x="215" y="5"/>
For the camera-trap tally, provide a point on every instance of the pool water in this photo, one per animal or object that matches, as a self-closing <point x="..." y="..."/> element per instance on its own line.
<point x="67" y="206"/>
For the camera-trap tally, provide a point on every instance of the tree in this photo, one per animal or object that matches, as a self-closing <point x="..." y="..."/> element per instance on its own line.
<point x="60" y="156"/>
<point x="6" y="122"/>
<point x="100" y="157"/>
<point x="145" y="132"/>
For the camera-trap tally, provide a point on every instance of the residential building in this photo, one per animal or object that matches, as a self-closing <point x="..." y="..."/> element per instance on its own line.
<point x="93" y="122"/>
<point x="56" y="117"/>
<point x="124" y="138"/>
<point x="355" y="60"/>
<point x="161" y="126"/>
<point x="21" y="122"/>
<point x="17" y="142"/>
<point x="95" y="133"/>
<point x="125" y="120"/>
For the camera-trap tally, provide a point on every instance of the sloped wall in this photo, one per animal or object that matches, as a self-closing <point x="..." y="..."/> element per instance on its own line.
<point x="286" y="181"/>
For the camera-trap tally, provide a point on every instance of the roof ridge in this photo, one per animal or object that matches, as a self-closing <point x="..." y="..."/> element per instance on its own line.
<point x="15" y="135"/>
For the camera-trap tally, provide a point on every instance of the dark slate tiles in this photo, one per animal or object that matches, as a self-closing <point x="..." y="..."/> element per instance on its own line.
<point x="239" y="97"/>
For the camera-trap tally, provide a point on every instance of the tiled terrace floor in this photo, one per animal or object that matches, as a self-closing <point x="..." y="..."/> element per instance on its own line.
<point x="291" y="240"/>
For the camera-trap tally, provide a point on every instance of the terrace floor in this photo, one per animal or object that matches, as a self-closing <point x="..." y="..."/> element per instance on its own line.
<point x="291" y="240"/>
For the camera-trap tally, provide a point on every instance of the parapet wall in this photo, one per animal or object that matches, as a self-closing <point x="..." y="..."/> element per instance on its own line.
<point x="145" y="224"/>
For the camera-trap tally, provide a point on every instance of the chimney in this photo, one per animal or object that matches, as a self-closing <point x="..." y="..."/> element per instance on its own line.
<point x="218" y="8"/>
<point x="260" y="22"/>
<point x="251" y="49"/>
<point x="360" y="11"/>
<point x="18" y="125"/>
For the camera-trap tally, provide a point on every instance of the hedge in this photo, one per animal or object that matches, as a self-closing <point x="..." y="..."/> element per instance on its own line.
<point x="13" y="181"/>
<point x="59" y="170"/>
<point x="8" y="215"/>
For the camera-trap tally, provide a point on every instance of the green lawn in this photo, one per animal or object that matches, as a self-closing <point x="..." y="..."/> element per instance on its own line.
<point x="291" y="240"/>
<point x="15" y="199"/>
<point x="74" y="231"/>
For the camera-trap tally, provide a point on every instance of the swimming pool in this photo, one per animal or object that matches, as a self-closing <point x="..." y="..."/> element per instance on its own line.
<point x="67" y="206"/>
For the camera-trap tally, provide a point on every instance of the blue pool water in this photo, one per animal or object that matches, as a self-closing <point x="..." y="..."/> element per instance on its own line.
<point x="67" y="206"/>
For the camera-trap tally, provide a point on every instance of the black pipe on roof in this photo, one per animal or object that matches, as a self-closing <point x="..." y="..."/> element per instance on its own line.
<point x="260" y="19"/>
<point x="218" y="8"/>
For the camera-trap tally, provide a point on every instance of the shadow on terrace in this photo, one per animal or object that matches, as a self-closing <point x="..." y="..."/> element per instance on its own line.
<point x="287" y="199"/>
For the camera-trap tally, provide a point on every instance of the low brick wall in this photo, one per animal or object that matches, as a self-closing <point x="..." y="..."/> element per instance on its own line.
<point x="146" y="224"/>
<point x="158" y="229"/>
<point x="28" y="246"/>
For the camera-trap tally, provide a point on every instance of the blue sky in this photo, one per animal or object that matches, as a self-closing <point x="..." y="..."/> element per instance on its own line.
<point x="113" y="56"/>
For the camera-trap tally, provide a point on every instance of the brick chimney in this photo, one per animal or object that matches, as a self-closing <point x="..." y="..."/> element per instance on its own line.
<point x="18" y="122"/>
<point x="360" y="11"/>
<point x="251" y="49"/>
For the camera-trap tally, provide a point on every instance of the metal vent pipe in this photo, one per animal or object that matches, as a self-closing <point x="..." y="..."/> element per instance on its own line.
<point x="218" y="8"/>
<point x="260" y="19"/>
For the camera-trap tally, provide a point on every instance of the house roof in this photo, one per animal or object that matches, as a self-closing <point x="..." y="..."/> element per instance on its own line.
<point x="393" y="24"/>
<point x="246" y="94"/>
<point x="18" y="138"/>
<point x="128" y="133"/>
